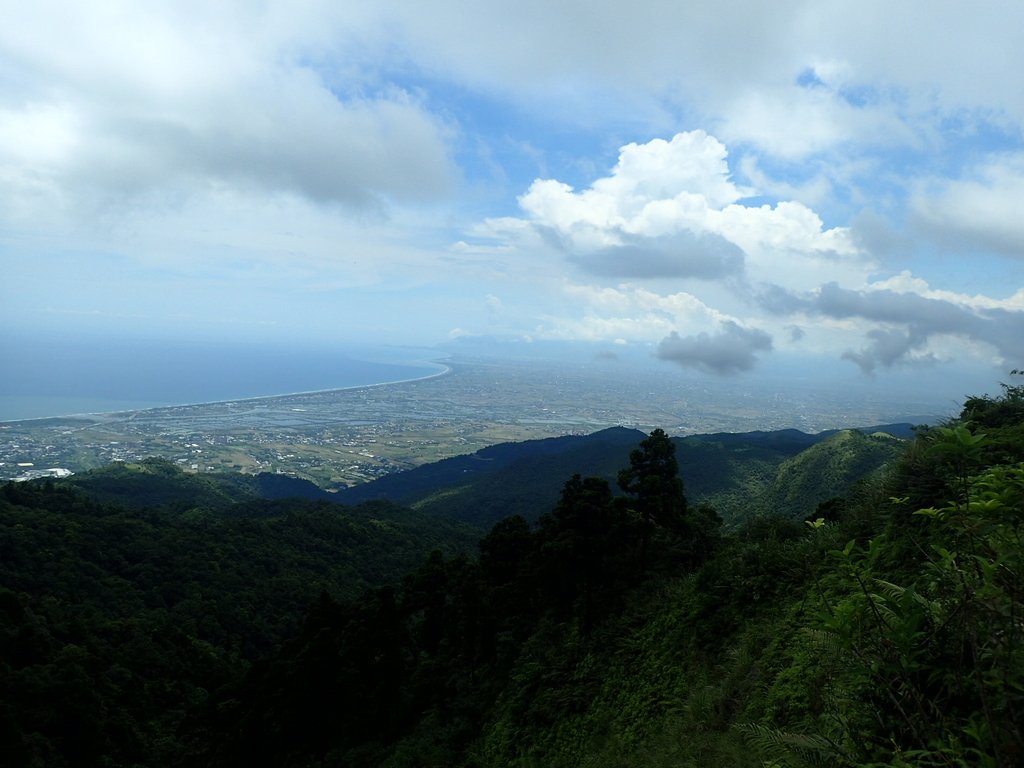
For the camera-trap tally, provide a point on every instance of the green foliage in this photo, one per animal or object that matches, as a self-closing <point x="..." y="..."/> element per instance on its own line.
<point x="157" y="482"/>
<point x="116" y="624"/>
<point x="653" y="478"/>
<point x="926" y="650"/>
<point x="788" y="750"/>
<point x="828" y="470"/>
<point x="996" y="412"/>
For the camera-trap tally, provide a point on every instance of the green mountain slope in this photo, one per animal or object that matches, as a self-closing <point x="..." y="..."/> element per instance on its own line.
<point x="729" y="471"/>
<point x="508" y="478"/>
<point x="827" y="470"/>
<point x="530" y="484"/>
<point x="157" y="482"/>
<point x="115" y="623"/>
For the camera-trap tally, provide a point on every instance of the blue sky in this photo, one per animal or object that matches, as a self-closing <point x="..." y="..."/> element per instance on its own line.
<point x="723" y="186"/>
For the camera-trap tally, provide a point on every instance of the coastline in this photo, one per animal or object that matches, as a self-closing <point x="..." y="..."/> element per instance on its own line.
<point x="446" y="369"/>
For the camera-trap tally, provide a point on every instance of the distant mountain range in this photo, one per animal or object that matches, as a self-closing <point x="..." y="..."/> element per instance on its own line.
<point x="730" y="471"/>
<point x="784" y="473"/>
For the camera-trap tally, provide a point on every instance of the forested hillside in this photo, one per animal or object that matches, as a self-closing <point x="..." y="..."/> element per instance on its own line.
<point x="115" y="623"/>
<point x="732" y="472"/>
<point x="626" y="626"/>
<point x="831" y="469"/>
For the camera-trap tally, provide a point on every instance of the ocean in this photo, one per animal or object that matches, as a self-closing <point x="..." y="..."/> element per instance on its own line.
<point x="55" y="377"/>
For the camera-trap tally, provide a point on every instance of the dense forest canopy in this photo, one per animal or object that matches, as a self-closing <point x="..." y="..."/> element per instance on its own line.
<point x="152" y="618"/>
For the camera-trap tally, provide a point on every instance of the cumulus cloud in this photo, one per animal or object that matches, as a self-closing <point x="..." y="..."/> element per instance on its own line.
<point x="232" y="132"/>
<point x="654" y="189"/>
<point x="729" y="351"/>
<point x="671" y="209"/>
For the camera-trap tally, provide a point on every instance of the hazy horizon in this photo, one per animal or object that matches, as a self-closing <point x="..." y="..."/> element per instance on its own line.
<point x="84" y="373"/>
<point x="65" y="376"/>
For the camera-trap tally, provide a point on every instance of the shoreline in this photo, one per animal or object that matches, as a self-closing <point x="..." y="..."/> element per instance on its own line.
<point x="446" y="370"/>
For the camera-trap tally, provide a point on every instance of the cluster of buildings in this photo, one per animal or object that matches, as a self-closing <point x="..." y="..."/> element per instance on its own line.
<point x="26" y="470"/>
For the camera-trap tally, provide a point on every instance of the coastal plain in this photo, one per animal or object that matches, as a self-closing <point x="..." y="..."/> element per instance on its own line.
<point x="344" y="437"/>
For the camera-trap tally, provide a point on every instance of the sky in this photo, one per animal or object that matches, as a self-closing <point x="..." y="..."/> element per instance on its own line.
<point x="720" y="186"/>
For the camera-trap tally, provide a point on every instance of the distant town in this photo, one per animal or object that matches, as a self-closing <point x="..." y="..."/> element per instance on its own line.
<point x="344" y="437"/>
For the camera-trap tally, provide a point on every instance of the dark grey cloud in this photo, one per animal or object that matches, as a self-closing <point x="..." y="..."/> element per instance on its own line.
<point x="729" y="352"/>
<point x="1005" y="330"/>
<point x="887" y="348"/>
<point x="910" y="321"/>
<point x="683" y="254"/>
<point x="931" y="315"/>
<point x="780" y="301"/>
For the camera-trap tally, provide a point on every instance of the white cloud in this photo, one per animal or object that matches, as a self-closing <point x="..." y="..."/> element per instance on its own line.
<point x="905" y="282"/>
<point x="793" y="122"/>
<point x="654" y="189"/>
<point x="628" y="312"/>
<point x="806" y="272"/>
<point x="670" y="208"/>
<point x="116" y="103"/>
<point x="889" y="74"/>
<point x="226" y="92"/>
<point x="979" y="212"/>
<point x="788" y="244"/>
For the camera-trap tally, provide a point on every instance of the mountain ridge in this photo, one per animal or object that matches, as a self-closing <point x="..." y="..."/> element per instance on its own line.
<point x="726" y="470"/>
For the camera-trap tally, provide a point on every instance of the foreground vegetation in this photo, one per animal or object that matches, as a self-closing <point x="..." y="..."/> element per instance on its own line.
<point x="623" y="628"/>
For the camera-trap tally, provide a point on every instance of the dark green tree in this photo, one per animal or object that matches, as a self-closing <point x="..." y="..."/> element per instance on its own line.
<point x="653" y="479"/>
<point x="583" y="551"/>
<point x="504" y="550"/>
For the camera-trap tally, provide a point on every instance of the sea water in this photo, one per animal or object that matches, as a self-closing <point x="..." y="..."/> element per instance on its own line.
<point x="55" y="377"/>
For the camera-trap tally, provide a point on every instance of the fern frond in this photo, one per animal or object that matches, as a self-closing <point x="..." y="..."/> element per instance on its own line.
<point x="828" y="643"/>
<point x="789" y="750"/>
<point x="890" y="590"/>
